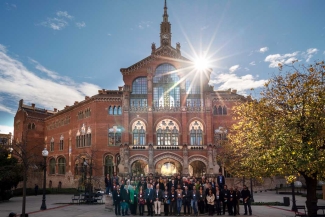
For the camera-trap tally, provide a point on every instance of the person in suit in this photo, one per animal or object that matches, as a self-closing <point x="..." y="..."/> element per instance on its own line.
<point x="158" y="197"/>
<point x="187" y="201"/>
<point x="221" y="180"/>
<point x="232" y="199"/>
<point x="194" y="199"/>
<point x="117" y="200"/>
<point x="172" y="183"/>
<point x="149" y="196"/>
<point x="224" y="198"/>
<point x="246" y="195"/>
<point x="238" y="196"/>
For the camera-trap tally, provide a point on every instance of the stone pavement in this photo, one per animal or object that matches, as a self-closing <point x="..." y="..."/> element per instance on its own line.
<point x="54" y="208"/>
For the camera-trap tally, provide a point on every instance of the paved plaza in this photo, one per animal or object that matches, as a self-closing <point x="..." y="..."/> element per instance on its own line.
<point x="57" y="205"/>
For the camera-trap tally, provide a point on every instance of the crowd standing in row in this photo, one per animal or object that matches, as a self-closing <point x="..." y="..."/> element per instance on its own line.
<point x="193" y="195"/>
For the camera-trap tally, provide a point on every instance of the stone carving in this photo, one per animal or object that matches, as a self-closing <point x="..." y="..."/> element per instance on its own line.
<point x="153" y="48"/>
<point x="214" y="156"/>
<point x="168" y="155"/>
<point x="198" y="158"/>
<point x="138" y="157"/>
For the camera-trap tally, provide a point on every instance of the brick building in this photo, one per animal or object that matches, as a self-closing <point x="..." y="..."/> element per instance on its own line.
<point x="165" y="119"/>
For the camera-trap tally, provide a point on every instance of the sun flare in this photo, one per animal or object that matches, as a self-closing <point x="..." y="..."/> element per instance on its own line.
<point x="201" y="64"/>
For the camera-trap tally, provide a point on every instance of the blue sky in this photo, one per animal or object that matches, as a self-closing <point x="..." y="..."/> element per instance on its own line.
<point x="53" y="53"/>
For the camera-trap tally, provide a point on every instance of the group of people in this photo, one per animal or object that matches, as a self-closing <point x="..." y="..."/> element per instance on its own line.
<point x="195" y="196"/>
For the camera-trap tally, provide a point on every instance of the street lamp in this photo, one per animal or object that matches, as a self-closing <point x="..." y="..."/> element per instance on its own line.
<point x="45" y="153"/>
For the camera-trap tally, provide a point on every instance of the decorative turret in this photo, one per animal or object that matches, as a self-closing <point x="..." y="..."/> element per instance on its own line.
<point x="165" y="29"/>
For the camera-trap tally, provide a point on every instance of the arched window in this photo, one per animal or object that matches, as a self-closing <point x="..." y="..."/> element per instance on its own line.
<point x="138" y="97"/>
<point x="114" y="110"/>
<point x="119" y="110"/>
<point x="139" y="133"/>
<point x="52" y="166"/>
<point x="220" y="135"/>
<point x="61" y="143"/>
<point x="215" y="110"/>
<point x="196" y="133"/>
<point x="114" y="135"/>
<point x="224" y="110"/>
<point x="219" y="110"/>
<point x="166" y="90"/>
<point x="110" y="110"/>
<point x="108" y="165"/>
<point x="167" y="132"/>
<point x="61" y="166"/>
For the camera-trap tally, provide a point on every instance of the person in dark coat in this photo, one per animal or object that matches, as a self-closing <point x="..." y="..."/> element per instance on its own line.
<point x="232" y="200"/>
<point x="36" y="189"/>
<point x="224" y="198"/>
<point x="221" y="181"/>
<point x="149" y="196"/>
<point x="117" y="200"/>
<point x="187" y="201"/>
<point x="125" y="200"/>
<point x="246" y="195"/>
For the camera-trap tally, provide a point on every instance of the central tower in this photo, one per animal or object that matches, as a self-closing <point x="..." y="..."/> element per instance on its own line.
<point x="165" y="29"/>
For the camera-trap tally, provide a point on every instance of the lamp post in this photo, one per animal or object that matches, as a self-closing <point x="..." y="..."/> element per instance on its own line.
<point x="45" y="153"/>
<point x="252" y="193"/>
<point x="294" y="208"/>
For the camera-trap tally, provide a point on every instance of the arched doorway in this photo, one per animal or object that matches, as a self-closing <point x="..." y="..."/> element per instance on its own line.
<point x="139" y="167"/>
<point x="197" y="168"/>
<point x="109" y="166"/>
<point x="168" y="167"/>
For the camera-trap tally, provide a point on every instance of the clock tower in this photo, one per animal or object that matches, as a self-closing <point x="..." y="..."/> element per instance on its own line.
<point x="165" y="29"/>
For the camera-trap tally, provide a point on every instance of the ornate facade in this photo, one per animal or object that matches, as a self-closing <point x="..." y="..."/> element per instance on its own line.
<point x="165" y="119"/>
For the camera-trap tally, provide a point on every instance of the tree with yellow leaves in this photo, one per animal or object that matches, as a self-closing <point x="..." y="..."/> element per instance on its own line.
<point x="282" y="132"/>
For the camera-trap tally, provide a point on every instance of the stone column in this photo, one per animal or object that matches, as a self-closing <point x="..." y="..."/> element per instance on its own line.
<point x="122" y="161"/>
<point x="210" y="160"/>
<point x="126" y="158"/>
<point x="185" y="161"/>
<point x="151" y="166"/>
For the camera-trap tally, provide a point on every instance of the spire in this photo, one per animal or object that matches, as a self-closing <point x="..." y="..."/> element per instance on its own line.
<point x="165" y="16"/>
<point x="165" y="28"/>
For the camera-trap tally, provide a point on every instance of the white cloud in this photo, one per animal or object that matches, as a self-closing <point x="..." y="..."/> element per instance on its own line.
<point x="246" y="69"/>
<point x="6" y="129"/>
<point x="225" y="81"/>
<point x="60" y="21"/>
<point x="109" y="34"/>
<point x="144" y="24"/>
<point x="310" y="53"/>
<point x="53" y="91"/>
<point x="81" y="25"/>
<point x="252" y="63"/>
<point x="3" y="48"/>
<point x="233" y="68"/>
<point x="275" y="59"/>
<point x="3" y="108"/>
<point x="64" y="14"/>
<point x="264" y="49"/>
<point x="55" y="23"/>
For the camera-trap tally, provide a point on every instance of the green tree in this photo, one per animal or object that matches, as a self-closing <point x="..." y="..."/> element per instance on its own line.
<point x="10" y="173"/>
<point x="283" y="132"/>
